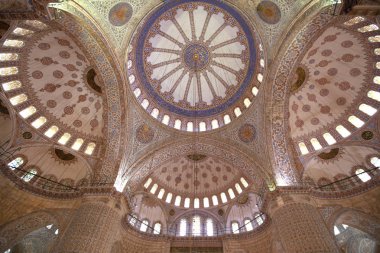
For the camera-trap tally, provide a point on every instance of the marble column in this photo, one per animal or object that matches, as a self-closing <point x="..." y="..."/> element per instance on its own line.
<point x="300" y="225"/>
<point x="92" y="229"/>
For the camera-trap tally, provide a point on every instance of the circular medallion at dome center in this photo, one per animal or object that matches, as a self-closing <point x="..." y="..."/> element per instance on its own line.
<point x="196" y="57"/>
<point x="193" y="59"/>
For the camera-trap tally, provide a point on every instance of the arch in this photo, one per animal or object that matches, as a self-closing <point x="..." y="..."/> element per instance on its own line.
<point x="15" y="230"/>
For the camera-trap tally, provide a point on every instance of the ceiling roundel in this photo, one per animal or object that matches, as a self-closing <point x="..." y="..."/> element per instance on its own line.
<point x="194" y="59"/>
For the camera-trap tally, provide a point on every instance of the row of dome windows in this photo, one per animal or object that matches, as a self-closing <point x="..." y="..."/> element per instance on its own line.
<point x="16" y="163"/>
<point x="196" y="202"/>
<point x="21" y="98"/>
<point x="367" y="109"/>
<point x="190" y="125"/>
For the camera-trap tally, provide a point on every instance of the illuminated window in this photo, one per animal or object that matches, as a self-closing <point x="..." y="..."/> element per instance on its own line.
<point x="133" y="220"/>
<point x="18" y="99"/>
<point x="177" y="124"/>
<point x="303" y="148"/>
<point x="378" y="65"/>
<point x="129" y="64"/>
<point x="49" y="226"/>
<point x="375" y="161"/>
<point x="17" y="162"/>
<point x="196" y="203"/>
<point x="262" y="63"/>
<point x="90" y="148"/>
<point x="145" y="103"/>
<point x="7" y="251"/>
<point x="11" y="85"/>
<point x="343" y="131"/>
<point x="144" y="226"/>
<point x="376" y="79"/>
<point x="36" y="24"/>
<point x="231" y="193"/>
<point x="374" y="39"/>
<point x="202" y="126"/>
<point x="39" y="122"/>
<point x="368" y="28"/>
<point x="161" y="194"/>
<point x="367" y="109"/>
<point x="131" y="79"/>
<point x="190" y="127"/>
<point x="214" y="124"/>
<point x="206" y="202"/>
<point x="227" y="119"/>
<point x="56" y="232"/>
<point x="51" y="131"/>
<point x="260" y="77"/>
<point x="377" y="51"/>
<point x="248" y="225"/>
<point x="157" y="228"/>
<point x="137" y="92"/>
<point x="155" y="113"/>
<point x="316" y="144"/>
<point x="196" y="226"/>
<point x="29" y="175"/>
<point x="166" y="119"/>
<point x="27" y="112"/>
<point x="329" y="138"/>
<point x="209" y="227"/>
<point x="183" y="227"/>
<point x="215" y="200"/>
<point x="186" y="203"/>
<point x="259" y="219"/>
<point x="354" y="21"/>
<point x="362" y="175"/>
<point x="255" y="91"/>
<point x="64" y="138"/>
<point x="244" y="182"/>
<point x="237" y="112"/>
<point x="8" y="71"/>
<point x="154" y="189"/>
<point x="355" y="121"/>
<point x="238" y="188"/>
<point x="235" y="227"/>
<point x="177" y="201"/>
<point x="8" y="57"/>
<point x="13" y="43"/>
<point x="336" y="230"/>
<point x="22" y="31"/>
<point x="223" y="196"/>
<point x="77" y="144"/>
<point x="169" y="198"/>
<point x="247" y="102"/>
<point x="374" y="95"/>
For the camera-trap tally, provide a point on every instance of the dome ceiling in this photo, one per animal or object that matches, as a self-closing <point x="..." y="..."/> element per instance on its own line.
<point x="194" y="59"/>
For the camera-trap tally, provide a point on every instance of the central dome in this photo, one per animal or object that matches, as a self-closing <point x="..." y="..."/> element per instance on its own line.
<point x="193" y="63"/>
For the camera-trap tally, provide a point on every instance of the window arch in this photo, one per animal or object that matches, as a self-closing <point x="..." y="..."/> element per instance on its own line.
<point x="157" y="228"/>
<point x="235" y="227"/>
<point x="144" y="225"/>
<point x="215" y="200"/>
<point x="206" y="202"/>
<point x="29" y="175"/>
<point x="15" y="163"/>
<point x="248" y="224"/>
<point x="363" y="176"/>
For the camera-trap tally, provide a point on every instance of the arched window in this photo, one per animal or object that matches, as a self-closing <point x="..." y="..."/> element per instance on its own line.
<point x="255" y="91"/>
<point x="215" y="200"/>
<point x="248" y="224"/>
<point x="154" y="189"/>
<point x="187" y="203"/>
<point x="144" y="225"/>
<point x="183" y="227"/>
<point x="64" y="138"/>
<point x="29" y="175"/>
<point x="329" y="138"/>
<point x="364" y="177"/>
<point x="231" y="193"/>
<point x="147" y="183"/>
<point x="190" y="127"/>
<point x="206" y="202"/>
<point x="133" y="220"/>
<point x="166" y="119"/>
<point x="227" y="119"/>
<point x="238" y="188"/>
<point x="209" y="227"/>
<point x="316" y="144"/>
<point x="196" y="203"/>
<point x="237" y="112"/>
<point x="244" y="182"/>
<point x="214" y="124"/>
<point x="355" y="121"/>
<point x="343" y="131"/>
<point x="169" y="198"/>
<point x="161" y="194"/>
<point x="177" y="201"/>
<point x="157" y="228"/>
<point x="303" y="148"/>
<point x="336" y="230"/>
<point x="223" y="197"/>
<point x="177" y="124"/>
<point x="17" y="162"/>
<point x="235" y="227"/>
<point x="155" y="112"/>
<point x="259" y="219"/>
<point x="202" y="126"/>
<point x="196" y="226"/>
<point x="375" y="161"/>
